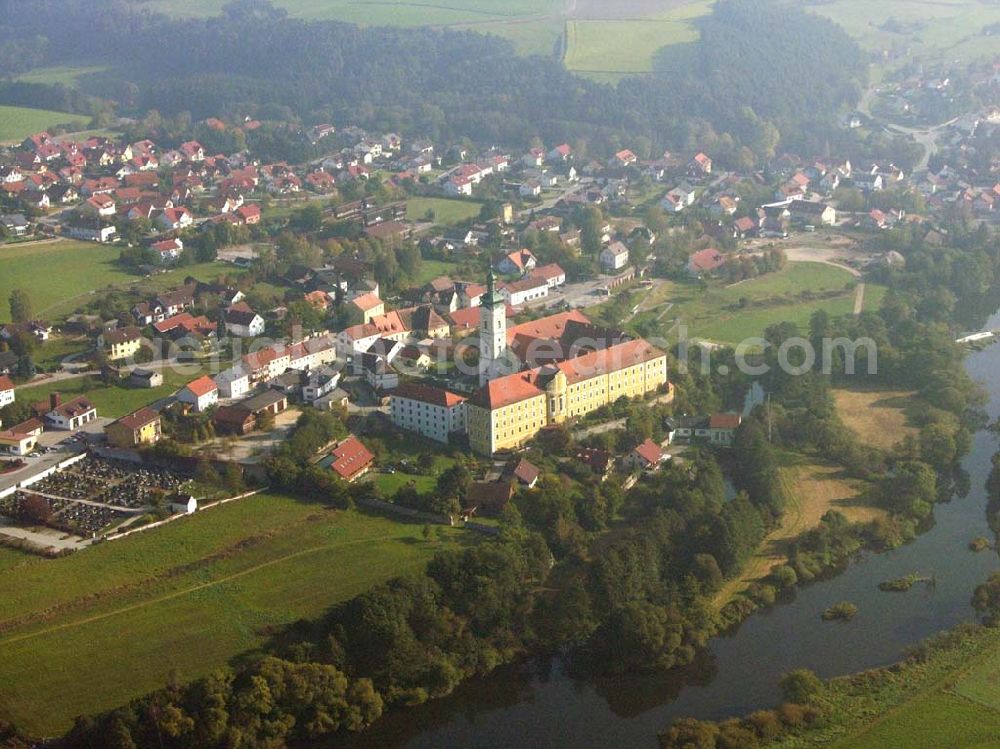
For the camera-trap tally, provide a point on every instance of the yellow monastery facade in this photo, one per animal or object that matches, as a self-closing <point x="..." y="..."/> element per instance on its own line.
<point x="509" y="411"/>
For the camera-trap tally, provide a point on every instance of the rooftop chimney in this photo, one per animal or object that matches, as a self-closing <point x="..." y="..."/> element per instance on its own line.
<point x="54" y="401"/>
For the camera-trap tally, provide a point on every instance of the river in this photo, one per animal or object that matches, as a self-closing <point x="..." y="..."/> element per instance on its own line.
<point x="538" y="704"/>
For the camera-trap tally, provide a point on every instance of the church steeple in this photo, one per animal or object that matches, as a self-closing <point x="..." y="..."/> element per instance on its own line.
<point x="492" y="332"/>
<point x="492" y="297"/>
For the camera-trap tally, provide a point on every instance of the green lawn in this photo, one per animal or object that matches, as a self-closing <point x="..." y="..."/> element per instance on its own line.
<point x="66" y="75"/>
<point x="184" y="599"/>
<point x="714" y="313"/>
<point x="73" y="271"/>
<point x="431" y="269"/>
<point x="114" y="401"/>
<point x="445" y="211"/>
<point x="17" y="123"/>
<point x="941" y="720"/>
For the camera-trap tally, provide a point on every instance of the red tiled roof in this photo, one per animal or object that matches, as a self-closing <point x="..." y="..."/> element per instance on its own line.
<point x="427" y="394"/>
<point x="724" y="421"/>
<point x="552" y="326"/>
<point x="650" y="452"/>
<point x="504" y="391"/>
<point x="139" y="419"/>
<point x="367" y="301"/>
<point x="6" y="383"/>
<point x="611" y="359"/>
<point x="709" y="259"/>
<point x="350" y="458"/>
<point x="202" y="386"/>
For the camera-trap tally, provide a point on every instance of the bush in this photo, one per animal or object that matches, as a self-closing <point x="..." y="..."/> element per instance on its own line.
<point x="800" y="686"/>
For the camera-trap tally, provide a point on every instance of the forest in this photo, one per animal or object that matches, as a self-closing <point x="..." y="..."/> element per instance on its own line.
<point x="255" y="61"/>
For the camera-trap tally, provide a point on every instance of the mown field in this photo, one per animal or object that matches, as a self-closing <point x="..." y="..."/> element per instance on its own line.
<point x="62" y="275"/>
<point x="880" y="418"/>
<point x="618" y="46"/>
<point x="89" y="631"/>
<point x="17" y="123"/>
<point x="790" y="295"/>
<point x="446" y="211"/>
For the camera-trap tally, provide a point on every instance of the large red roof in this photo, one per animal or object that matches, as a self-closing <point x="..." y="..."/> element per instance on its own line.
<point x="552" y="326"/>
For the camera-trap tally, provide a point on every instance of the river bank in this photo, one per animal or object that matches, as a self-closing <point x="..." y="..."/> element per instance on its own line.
<point x="540" y="703"/>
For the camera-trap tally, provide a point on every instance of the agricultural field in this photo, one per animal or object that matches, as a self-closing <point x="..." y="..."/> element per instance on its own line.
<point x="928" y="28"/>
<point x="66" y="75"/>
<point x="390" y="12"/>
<point x="183" y="600"/>
<point x="81" y="267"/>
<point x="17" y="123"/>
<point x="733" y="313"/>
<point x="446" y="211"/>
<point x="620" y="46"/>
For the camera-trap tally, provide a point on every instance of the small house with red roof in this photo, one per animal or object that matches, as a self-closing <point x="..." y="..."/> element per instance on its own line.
<point x="645" y="457"/>
<point x="351" y="459"/>
<point x="200" y="394"/>
<point x="705" y="261"/>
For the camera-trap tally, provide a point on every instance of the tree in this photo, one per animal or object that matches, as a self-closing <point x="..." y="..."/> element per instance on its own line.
<point x="35" y="509"/>
<point x="800" y="686"/>
<point x="986" y="598"/>
<point x="20" y="306"/>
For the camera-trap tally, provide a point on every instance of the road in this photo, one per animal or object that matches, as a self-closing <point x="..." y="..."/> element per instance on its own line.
<point x="859" y="299"/>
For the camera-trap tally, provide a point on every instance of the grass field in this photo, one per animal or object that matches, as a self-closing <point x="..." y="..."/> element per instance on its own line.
<point x="72" y="271"/>
<point x="714" y="314"/>
<point x="445" y="211"/>
<point x="89" y="631"/>
<point x="114" y="401"/>
<point x="17" y="123"/>
<point x="878" y="417"/>
<point x="929" y="27"/>
<point x="621" y="47"/>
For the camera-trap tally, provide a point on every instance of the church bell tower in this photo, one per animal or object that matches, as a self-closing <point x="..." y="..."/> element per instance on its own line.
<point x="492" y="333"/>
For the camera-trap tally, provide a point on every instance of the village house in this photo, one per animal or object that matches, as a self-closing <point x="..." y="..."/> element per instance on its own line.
<point x="247" y="415"/>
<point x="366" y="307"/>
<point x="519" y="261"/>
<point x="137" y="429"/>
<point x="705" y="261"/>
<point x="614" y="257"/>
<point x="243" y="322"/>
<point x="122" y="343"/>
<point x="145" y="378"/>
<point x="200" y="394"/>
<point x="350" y="459"/>
<point x="645" y="457"/>
<point x="812" y="213"/>
<point x="233" y="382"/>
<point x="67" y="416"/>
<point x="6" y="391"/>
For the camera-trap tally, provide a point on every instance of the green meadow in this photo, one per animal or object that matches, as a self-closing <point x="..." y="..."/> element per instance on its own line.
<point x="17" y="123"/>
<point x="90" y="631"/>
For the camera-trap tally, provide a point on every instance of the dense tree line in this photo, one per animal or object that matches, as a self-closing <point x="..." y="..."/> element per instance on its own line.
<point x="750" y="79"/>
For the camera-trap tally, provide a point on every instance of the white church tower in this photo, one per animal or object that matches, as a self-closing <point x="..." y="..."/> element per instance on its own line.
<point x="492" y="333"/>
